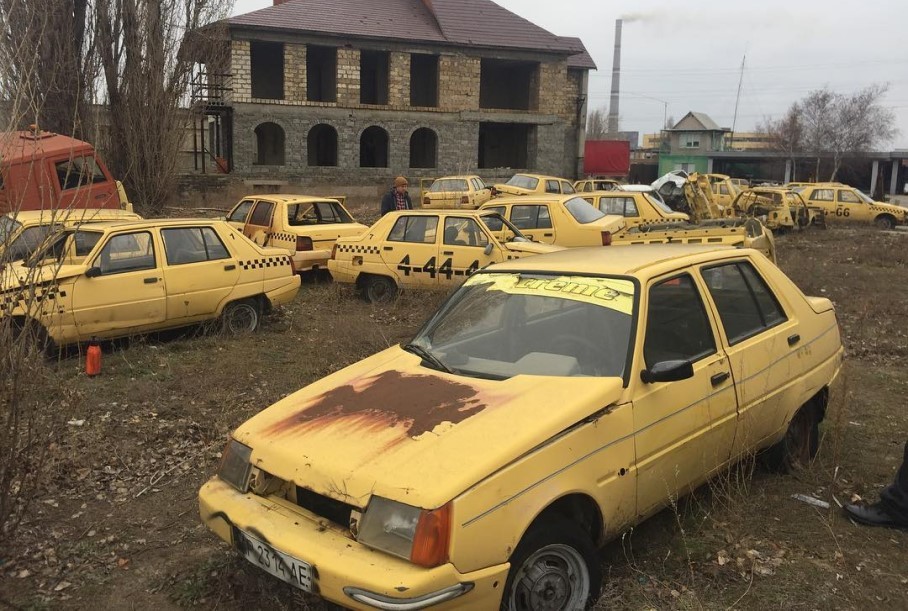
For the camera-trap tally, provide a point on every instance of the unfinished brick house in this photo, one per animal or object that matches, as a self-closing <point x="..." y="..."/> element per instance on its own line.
<point x="352" y="92"/>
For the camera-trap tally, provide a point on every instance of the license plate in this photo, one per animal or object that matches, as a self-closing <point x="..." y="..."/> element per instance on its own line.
<point x="286" y="568"/>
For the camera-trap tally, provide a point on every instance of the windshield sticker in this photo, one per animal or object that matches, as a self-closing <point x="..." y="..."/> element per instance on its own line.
<point x="612" y="293"/>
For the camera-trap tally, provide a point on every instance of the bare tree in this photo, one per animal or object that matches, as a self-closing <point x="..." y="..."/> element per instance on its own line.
<point x="860" y="123"/>
<point x="786" y="134"/>
<point x="597" y="124"/>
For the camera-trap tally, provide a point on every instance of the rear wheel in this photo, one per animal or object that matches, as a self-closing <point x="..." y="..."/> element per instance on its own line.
<point x="555" y="567"/>
<point x="799" y="446"/>
<point x="241" y="317"/>
<point x="379" y="289"/>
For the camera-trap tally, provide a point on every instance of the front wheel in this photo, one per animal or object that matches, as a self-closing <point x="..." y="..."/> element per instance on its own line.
<point x="799" y="446"/>
<point x="379" y="289"/>
<point x="241" y="317"/>
<point x="555" y="567"/>
<point x="884" y="222"/>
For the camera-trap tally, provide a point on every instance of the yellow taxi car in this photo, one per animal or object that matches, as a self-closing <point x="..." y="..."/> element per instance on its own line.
<point x="565" y="220"/>
<point x="424" y="249"/>
<point x="305" y="226"/>
<point x="549" y="405"/>
<point x="110" y="280"/>
<point x="637" y="208"/>
<point x="456" y="192"/>
<point x="529" y="184"/>
<point x="21" y="233"/>
<point x="724" y="191"/>
<point x="596" y="184"/>
<point x="843" y="203"/>
<point x="783" y="209"/>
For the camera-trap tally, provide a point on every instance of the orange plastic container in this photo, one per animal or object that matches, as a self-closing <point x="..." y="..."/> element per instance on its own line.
<point x="93" y="359"/>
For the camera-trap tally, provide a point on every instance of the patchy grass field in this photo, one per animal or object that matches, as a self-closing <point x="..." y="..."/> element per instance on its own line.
<point x="117" y="525"/>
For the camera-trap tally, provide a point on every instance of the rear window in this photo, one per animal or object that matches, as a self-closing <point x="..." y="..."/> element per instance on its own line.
<point x="522" y="181"/>
<point x="582" y="211"/>
<point x="317" y="214"/>
<point x="449" y="184"/>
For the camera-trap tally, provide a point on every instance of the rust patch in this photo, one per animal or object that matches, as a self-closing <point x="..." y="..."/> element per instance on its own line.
<point x="419" y="402"/>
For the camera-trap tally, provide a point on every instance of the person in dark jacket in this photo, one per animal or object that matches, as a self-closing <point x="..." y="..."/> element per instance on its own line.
<point x="397" y="198"/>
<point x="892" y="508"/>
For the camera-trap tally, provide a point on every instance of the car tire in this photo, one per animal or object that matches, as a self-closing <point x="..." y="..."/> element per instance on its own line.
<point x="555" y="566"/>
<point x="241" y="317"/>
<point x="884" y="221"/>
<point x="379" y="289"/>
<point x="799" y="445"/>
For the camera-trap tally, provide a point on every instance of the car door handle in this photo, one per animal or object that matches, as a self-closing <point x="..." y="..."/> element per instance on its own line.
<point x="793" y="339"/>
<point x="448" y="252"/>
<point x="230" y="267"/>
<point x="719" y="378"/>
<point x="548" y="235"/>
<point x="388" y="248"/>
<point x="150" y="280"/>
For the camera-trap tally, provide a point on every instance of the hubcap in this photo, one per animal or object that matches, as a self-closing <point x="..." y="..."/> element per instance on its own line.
<point x="555" y="578"/>
<point x="242" y="319"/>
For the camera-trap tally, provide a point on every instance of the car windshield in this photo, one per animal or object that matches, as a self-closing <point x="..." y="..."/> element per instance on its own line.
<point x="500" y="325"/>
<point x="657" y="202"/>
<point x="448" y="184"/>
<point x="8" y="226"/>
<point x="522" y="181"/>
<point x="864" y="197"/>
<point x="583" y="211"/>
<point x="28" y="242"/>
<point x="55" y="247"/>
<point x="317" y="213"/>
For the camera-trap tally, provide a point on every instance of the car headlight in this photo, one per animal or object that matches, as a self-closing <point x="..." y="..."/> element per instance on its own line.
<point x="235" y="465"/>
<point x="418" y="535"/>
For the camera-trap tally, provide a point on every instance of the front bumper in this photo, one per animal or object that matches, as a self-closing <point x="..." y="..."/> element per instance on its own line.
<point x="345" y="571"/>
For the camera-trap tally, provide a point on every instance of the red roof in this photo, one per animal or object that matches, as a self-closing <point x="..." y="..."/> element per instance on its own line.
<point x="459" y="22"/>
<point x="17" y="146"/>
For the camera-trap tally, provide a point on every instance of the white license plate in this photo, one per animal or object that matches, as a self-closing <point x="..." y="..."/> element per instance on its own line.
<point x="286" y="568"/>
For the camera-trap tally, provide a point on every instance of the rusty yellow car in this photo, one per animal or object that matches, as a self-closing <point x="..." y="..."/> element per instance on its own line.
<point x="564" y="220"/>
<point x="596" y="184"/>
<point x="550" y="404"/>
<point x="425" y="249"/>
<point x="456" y="192"/>
<point x="529" y="184"/>
<point x="305" y="226"/>
<point x="108" y="280"/>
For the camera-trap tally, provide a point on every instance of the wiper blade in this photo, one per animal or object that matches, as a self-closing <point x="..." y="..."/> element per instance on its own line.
<point x="427" y="356"/>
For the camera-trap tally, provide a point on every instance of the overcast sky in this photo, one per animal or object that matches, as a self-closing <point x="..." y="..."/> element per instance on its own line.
<point x="691" y="58"/>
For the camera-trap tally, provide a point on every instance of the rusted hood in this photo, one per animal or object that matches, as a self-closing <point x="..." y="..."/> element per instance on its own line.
<point x="389" y="426"/>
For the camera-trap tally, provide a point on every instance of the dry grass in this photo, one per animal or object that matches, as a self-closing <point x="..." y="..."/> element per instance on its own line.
<point x="118" y="523"/>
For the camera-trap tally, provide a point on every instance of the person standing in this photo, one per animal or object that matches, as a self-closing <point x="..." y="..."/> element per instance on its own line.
<point x="892" y="508"/>
<point x="398" y="198"/>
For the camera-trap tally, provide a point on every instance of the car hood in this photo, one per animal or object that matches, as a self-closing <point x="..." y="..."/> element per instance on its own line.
<point x="391" y="427"/>
<point x="16" y="275"/>
<point x="535" y="248"/>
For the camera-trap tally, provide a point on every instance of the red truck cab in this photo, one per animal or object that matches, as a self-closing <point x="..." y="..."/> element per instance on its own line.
<point x="44" y="171"/>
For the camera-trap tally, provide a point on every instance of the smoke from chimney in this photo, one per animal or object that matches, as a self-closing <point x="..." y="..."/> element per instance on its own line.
<point x="616" y="82"/>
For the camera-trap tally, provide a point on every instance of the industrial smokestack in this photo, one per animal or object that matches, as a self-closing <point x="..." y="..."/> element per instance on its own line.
<point x="616" y="82"/>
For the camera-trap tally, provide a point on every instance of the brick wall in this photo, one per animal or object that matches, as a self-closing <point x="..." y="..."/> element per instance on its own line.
<point x="295" y="73"/>
<point x="241" y="72"/>
<point x="458" y="82"/>
<point x="347" y="77"/>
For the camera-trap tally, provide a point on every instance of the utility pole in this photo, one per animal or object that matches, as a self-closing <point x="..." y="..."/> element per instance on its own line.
<point x="734" y="121"/>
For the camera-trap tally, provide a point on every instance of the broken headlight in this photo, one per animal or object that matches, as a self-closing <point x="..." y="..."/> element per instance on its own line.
<point x="418" y="535"/>
<point x="235" y="465"/>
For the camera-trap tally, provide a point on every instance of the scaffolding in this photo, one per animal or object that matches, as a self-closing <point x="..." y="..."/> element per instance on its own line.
<point x="212" y="133"/>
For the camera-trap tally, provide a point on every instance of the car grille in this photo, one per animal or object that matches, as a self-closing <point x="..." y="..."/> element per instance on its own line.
<point x="322" y="506"/>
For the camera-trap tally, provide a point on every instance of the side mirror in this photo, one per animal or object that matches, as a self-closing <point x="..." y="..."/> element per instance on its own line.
<point x="488" y="249"/>
<point x="668" y="371"/>
<point x="93" y="272"/>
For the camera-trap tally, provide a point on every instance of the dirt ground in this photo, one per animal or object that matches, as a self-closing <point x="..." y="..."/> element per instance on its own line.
<point x="117" y="525"/>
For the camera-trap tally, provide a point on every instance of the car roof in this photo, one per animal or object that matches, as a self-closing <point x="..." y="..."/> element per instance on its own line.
<point x="28" y="216"/>
<point x="539" y="198"/>
<point x="540" y="176"/>
<point x="440" y="212"/>
<point x="637" y="188"/>
<point x="149" y="223"/>
<point x="289" y="198"/>
<point x="620" y="260"/>
<point x="458" y="177"/>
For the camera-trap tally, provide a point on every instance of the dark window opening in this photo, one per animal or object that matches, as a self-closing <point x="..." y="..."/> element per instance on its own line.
<point x="508" y="84"/>
<point x="373" y="77"/>
<point x="322" y="144"/>
<point x="423" y="80"/>
<point x="267" y="65"/>
<point x="507" y="145"/>
<point x="269" y="139"/>
<point x="423" y="148"/>
<point x="321" y="74"/>
<point x="373" y="148"/>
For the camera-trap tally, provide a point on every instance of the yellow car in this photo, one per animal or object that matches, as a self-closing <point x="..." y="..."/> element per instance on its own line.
<point x="109" y="280"/>
<point x="565" y="220"/>
<point x="456" y="192"/>
<point x="424" y="249"/>
<point x="549" y="405"/>
<point x="596" y="184"/>
<point x="724" y="191"/>
<point x="637" y="208"/>
<point x="305" y="226"/>
<point x="843" y="203"/>
<point x="783" y="209"/>
<point x="529" y="184"/>
<point x="21" y="233"/>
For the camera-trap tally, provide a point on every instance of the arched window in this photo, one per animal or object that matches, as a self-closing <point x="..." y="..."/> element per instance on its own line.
<point x="269" y="140"/>
<point x="423" y="148"/>
<point x="373" y="148"/>
<point x="322" y="143"/>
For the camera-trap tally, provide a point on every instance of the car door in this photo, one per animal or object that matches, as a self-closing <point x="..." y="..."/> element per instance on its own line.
<point x="464" y="243"/>
<point x="676" y="439"/>
<point x="824" y="198"/>
<point x="849" y="206"/>
<point x="123" y="289"/>
<point x="759" y="336"/>
<point x="410" y="250"/>
<point x="258" y="225"/>
<point x="534" y="221"/>
<point x="237" y="217"/>
<point x="81" y="182"/>
<point x="200" y="271"/>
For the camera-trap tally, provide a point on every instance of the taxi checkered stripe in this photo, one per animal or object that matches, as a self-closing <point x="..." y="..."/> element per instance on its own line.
<point x="358" y="249"/>
<point x="265" y="262"/>
<point x="10" y="299"/>
<point x="287" y="237"/>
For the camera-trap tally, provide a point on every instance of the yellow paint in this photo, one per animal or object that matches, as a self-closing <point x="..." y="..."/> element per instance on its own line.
<point x="546" y="219"/>
<point x="538" y="184"/>
<point x="441" y="194"/>
<point x="843" y="203"/>
<point x="636" y="208"/>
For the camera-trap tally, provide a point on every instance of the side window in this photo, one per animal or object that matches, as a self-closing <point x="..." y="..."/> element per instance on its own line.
<point x="79" y="171"/>
<point x="848" y="197"/>
<point x="127" y="252"/>
<point x="723" y="189"/>
<point x="477" y="186"/>
<point x="85" y="241"/>
<point x="531" y="217"/>
<point x="419" y="229"/>
<point x="612" y="205"/>
<point x="821" y="195"/>
<point x="464" y="232"/>
<point x="677" y="327"/>
<point x="746" y="305"/>
<point x="261" y="216"/>
<point x="240" y="212"/>
<point x="567" y="187"/>
<point x="192" y="245"/>
<point x="630" y="207"/>
<point x="551" y="186"/>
